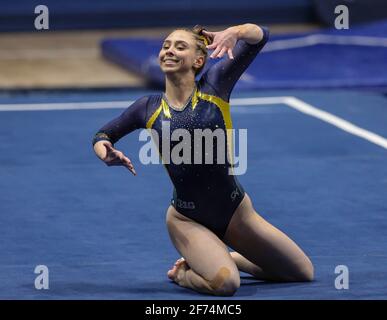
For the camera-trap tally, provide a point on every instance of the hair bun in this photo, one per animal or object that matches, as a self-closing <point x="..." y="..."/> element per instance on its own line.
<point x="198" y="29"/>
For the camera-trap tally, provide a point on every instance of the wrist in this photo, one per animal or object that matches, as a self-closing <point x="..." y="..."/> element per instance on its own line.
<point x="237" y="30"/>
<point x="251" y="33"/>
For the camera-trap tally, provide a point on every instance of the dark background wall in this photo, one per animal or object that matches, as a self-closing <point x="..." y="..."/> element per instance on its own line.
<point x="19" y="15"/>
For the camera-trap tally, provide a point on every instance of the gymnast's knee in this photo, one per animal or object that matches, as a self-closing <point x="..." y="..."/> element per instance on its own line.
<point x="308" y="272"/>
<point x="305" y="272"/>
<point x="225" y="283"/>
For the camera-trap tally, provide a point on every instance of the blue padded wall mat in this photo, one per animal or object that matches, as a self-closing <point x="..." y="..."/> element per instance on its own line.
<point x="325" y="59"/>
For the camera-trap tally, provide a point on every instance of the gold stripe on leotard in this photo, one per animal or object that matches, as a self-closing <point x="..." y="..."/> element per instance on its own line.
<point x="165" y="107"/>
<point x="224" y="108"/>
<point x="153" y="118"/>
<point x="195" y="99"/>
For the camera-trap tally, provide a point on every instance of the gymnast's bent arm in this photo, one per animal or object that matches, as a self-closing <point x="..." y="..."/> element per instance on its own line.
<point x="241" y="43"/>
<point x="103" y="142"/>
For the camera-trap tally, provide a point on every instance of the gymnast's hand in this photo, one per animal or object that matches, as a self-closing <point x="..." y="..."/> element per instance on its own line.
<point x="117" y="158"/>
<point x="222" y="42"/>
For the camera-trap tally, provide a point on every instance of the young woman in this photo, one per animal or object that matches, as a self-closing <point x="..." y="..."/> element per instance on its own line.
<point x="209" y="210"/>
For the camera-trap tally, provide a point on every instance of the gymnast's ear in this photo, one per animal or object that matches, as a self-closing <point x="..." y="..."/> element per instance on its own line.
<point x="199" y="61"/>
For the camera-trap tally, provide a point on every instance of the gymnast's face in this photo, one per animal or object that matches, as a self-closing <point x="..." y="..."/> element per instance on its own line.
<point x="179" y="54"/>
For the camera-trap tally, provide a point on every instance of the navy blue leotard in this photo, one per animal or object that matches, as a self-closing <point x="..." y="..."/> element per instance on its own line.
<point x="206" y="193"/>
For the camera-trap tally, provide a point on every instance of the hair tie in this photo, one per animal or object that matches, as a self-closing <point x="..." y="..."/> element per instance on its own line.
<point x="204" y="39"/>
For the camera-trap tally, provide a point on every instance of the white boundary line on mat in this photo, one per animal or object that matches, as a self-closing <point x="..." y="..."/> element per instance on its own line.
<point x="65" y="106"/>
<point x="335" y="121"/>
<point x="292" y="102"/>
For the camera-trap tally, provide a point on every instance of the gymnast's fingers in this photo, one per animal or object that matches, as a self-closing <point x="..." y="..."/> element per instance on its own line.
<point x="230" y="55"/>
<point x="215" y="53"/>
<point x="222" y="52"/>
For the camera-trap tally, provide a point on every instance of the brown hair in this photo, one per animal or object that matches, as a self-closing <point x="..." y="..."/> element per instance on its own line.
<point x="202" y="41"/>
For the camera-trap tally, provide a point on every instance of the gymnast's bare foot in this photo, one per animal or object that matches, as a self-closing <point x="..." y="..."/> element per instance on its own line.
<point x="177" y="273"/>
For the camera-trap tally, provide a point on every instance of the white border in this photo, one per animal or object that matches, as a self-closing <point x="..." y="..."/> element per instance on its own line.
<point x="292" y="102"/>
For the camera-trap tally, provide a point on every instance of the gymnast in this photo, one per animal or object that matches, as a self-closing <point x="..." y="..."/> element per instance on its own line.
<point x="209" y="211"/>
